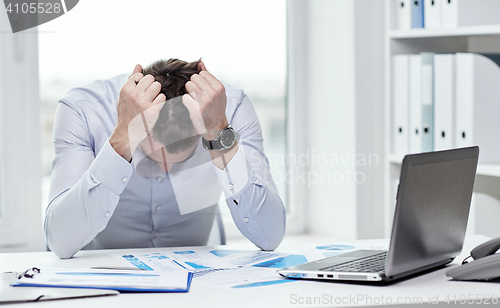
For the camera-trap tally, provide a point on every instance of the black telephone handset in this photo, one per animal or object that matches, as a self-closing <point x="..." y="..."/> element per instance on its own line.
<point x="486" y="264"/>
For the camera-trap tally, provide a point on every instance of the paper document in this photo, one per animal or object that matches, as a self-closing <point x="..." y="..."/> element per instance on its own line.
<point x="243" y="278"/>
<point x="172" y="281"/>
<point x="315" y="252"/>
<point x="259" y="258"/>
<point x="171" y="260"/>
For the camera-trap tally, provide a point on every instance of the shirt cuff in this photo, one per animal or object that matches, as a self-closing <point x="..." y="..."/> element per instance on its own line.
<point x="235" y="177"/>
<point x="110" y="169"/>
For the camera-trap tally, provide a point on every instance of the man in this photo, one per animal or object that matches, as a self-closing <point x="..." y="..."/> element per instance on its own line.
<point x="129" y="172"/>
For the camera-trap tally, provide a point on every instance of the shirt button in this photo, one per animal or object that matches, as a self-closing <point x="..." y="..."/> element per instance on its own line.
<point x="245" y="219"/>
<point x="156" y="234"/>
<point x="107" y="214"/>
<point x="158" y="207"/>
<point x="124" y="179"/>
<point x="159" y="179"/>
<point x="230" y="186"/>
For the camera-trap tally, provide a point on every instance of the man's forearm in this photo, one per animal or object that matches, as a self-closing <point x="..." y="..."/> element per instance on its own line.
<point x="260" y="215"/>
<point x="77" y="215"/>
<point x="255" y="205"/>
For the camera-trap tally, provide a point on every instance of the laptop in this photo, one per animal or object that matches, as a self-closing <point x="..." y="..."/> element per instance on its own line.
<point x="432" y="209"/>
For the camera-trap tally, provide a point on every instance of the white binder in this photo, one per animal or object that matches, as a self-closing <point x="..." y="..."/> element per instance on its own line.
<point x="427" y="102"/>
<point x="478" y="105"/>
<point x="404" y="14"/>
<point x="432" y="14"/>
<point x="460" y="13"/>
<point x="444" y="101"/>
<point x="400" y="115"/>
<point x="415" y="104"/>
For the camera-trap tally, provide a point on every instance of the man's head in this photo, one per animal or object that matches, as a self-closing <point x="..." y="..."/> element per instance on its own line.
<point x="174" y="129"/>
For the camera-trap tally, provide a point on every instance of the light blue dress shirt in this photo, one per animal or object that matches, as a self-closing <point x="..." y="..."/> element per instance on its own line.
<point x="98" y="200"/>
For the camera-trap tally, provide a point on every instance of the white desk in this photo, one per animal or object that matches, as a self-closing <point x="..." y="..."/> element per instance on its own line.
<point x="285" y="295"/>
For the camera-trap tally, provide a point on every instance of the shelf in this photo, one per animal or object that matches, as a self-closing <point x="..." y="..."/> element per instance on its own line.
<point x="489" y="170"/>
<point x="428" y="33"/>
<point x="482" y="169"/>
<point x="395" y="159"/>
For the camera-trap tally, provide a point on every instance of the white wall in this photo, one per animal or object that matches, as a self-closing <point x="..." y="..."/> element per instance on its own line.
<point x="332" y="129"/>
<point x="370" y="115"/>
<point x="343" y="53"/>
<point x="20" y="221"/>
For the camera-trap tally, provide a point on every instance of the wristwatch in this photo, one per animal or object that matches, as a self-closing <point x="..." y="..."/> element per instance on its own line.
<point x="225" y="140"/>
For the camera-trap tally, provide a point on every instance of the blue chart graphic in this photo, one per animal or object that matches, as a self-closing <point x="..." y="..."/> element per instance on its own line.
<point x="334" y="250"/>
<point x="184" y="252"/>
<point x="195" y="266"/>
<point x="156" y="255"/>
<point x="264" y="283"/>
<point x="136" y="262"/>
<point x="335" y="247"/>
<point x="254" y="257"/>
<point x="223" y="253"/>
<point x="283" y="262"/>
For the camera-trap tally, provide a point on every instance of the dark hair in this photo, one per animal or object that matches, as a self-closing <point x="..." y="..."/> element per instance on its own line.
<point x="174" y="128"/>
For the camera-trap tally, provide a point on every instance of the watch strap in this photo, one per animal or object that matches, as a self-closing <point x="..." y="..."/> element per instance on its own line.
<point x="211" y="144"/>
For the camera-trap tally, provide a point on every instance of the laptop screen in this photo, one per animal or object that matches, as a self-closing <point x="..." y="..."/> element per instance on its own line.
<point x="432" y="208"/>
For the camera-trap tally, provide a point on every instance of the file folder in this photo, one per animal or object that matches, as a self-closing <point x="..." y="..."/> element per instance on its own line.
<point x="404" y="14"/>
<point x="432" y="14"/>
<point x="10" y="295"/>
<point x="400" y="103"/>
<point x="427" y="102"/>
<point x="478" y="104"/>
<point x="415" y="104"/>
<point x="120" y="280"/>
<point x="444" y="101"/>
<point x="417" y="14"/>
<point x="460" y="13"/>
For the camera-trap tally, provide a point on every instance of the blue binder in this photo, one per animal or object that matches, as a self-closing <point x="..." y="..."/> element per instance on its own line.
<point x="417" y="14"/>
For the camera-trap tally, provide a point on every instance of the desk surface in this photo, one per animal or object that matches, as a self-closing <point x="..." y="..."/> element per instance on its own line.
<point x="296" y="294"/>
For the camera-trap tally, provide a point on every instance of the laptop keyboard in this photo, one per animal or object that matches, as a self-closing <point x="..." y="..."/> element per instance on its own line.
<point x="373" y="264"/>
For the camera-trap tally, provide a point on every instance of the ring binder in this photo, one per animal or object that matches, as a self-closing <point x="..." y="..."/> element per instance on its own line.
<point x="30" y="272"/>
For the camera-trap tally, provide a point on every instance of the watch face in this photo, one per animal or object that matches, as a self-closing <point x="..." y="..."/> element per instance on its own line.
<point x="227" y="138"/>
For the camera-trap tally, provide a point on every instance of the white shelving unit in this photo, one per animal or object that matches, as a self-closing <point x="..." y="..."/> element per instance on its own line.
<point x="463" y="31"/>
<point x="479" y="39"/>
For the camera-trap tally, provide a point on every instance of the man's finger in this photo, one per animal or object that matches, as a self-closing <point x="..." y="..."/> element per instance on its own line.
<point x="201" y="66"/>
<point x="160" y="99"/>
<point x="210" y="78"/>
<point x="191" y="87"/>
<point x="145" y="83"/>
<point x="133" y="81"/>
<point x="137" y="69"/>
<point x="201" y="82"/>
<point x="152" y="92"/>
<point x="194" y="113"/>
<point x="190" y="103"/>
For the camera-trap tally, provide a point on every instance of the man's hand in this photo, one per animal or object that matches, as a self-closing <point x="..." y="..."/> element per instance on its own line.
<point x="206" y="102"/>
<point x="138" y="106"/>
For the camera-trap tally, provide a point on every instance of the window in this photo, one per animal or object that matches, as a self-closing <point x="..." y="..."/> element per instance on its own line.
<point x="20" y="141"/>
<point x="241" y="42"/>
